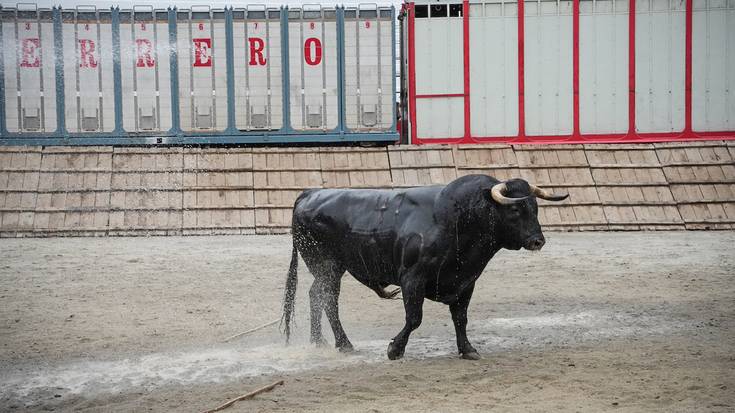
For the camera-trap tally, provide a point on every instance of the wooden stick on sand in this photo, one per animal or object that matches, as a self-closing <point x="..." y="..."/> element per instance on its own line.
<point x="252" y="330"/>
<point x="246" y="396"/>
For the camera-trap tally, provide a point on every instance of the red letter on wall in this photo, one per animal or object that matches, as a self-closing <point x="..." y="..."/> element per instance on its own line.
<point x="30" y="53"/>
<point x="256" y="51"/>
<point x="86" y="53"/>
<point x="144" y="53"/>
<point x="202" y="52"/>
<point x="317" y="58"/>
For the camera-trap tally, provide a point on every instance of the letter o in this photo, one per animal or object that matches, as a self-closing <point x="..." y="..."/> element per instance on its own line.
<point x="317" y="57"/>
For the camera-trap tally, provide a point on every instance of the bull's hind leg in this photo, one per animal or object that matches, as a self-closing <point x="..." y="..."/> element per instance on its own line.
<point x="316" y="304"/>
<point x="324" y="295"/>
<point x="331" y="307"/>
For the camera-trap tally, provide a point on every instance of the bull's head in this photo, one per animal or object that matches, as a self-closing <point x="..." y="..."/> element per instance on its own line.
<point x="518" y="213"/>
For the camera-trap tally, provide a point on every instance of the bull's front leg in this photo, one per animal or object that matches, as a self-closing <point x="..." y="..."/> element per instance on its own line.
<point x="459" y="317"/>
<point x="413" y="302"/>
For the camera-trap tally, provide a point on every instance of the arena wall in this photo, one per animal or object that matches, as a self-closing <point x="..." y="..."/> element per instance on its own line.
<point x="105" y="190"/>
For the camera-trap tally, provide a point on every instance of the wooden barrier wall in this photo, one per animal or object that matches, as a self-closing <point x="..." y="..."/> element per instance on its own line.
<point x="81" y="191"/>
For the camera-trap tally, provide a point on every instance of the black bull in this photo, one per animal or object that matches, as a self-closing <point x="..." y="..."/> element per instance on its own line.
<point x="433" y="242"/>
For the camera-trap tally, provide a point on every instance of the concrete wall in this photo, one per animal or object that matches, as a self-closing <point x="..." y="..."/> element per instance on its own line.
<point x="160" y="191"/>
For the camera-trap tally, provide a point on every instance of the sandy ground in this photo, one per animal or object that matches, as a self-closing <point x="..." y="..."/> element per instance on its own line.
<point x="594" y="322"/>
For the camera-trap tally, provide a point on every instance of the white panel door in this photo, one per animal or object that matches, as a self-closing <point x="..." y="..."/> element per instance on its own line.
<point x="313" y="69"/>
<point x="659" y="65"/>
<point x="713" y="65"/>
<point x="548" y="67"/>
<point x="30" y="80"/>
<point x="146" y="74"/>
<point x="439" y="66"/>
<point x="368" y="69"/>
<point x="88" y="78"/>
<point x="603" y="66"/>
<point x="494" y="68"/>
<point x="202" y="70"/>
<point x="258" y="71"/>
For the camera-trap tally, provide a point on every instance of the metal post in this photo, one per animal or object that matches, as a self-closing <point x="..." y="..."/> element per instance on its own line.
<point x="116" y="71"/>
<point x="3" y="129"/>
<point x="174" y="69"/>
<point x="230" y="58"/>
<point x="393" y="67"/>
<point x="59" y="73"/>
<point x="340" y="70"/>
<point x="285" y="69"/>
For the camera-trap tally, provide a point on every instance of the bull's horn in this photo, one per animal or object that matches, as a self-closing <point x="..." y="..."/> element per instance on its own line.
<point x="497" y="193"/>
<point x="544" y="194"/>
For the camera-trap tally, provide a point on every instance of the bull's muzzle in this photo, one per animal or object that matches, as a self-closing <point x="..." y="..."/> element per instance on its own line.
<point x="535" y="243"/>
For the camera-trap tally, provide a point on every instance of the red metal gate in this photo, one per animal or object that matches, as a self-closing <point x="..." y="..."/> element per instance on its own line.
<point x="666" y="100"/>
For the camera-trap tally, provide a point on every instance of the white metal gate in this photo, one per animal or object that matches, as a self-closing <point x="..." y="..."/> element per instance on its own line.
<point x="202" y="69"/>
<point x="548" y="67"/>
<point x="88" y="78"/>
<point x="313" y="68"/>
<point x="368" y="68"/>
<point x="258" y="71"/>
<point x="29" y="76"/>
<point x="713" y="65"/>
<point x="494" y="68"/>
<point x="603" y="66"/>
<point x="439" y="65"/>
<point x="659" y="65"/>
<point x="563" y="71"/>
<point x="146" y="72"/>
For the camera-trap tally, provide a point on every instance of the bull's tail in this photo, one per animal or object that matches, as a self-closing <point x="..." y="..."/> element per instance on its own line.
<point x="290" y="294"/>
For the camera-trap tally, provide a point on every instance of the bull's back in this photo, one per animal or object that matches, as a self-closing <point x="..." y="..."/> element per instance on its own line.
<point x="363" y="210"/>
<point x="343" y="210"/>
<point x="359" y="228"/>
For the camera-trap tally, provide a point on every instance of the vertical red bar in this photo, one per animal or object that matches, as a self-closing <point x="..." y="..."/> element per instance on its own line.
<point x="412" y="73"/>
<point x="466" y="47"/>
<point x="521" y="81"/>
<point x="688" y="71"/>
<point x="575" y="65"/>
<point x="631" y="70"/>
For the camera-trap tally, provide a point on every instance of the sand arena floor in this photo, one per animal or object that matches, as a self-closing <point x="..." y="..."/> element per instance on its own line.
<point x="594" y="322"/>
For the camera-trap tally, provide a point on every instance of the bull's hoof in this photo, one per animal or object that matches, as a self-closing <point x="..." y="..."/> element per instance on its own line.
<point x="471" y="355"/>
<point x="389" y="295"/>
<point x="392" y="294"/>
<point x="346" y="348"/>
<point x="394" y="352"/>
<point x="319" y="342"/>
